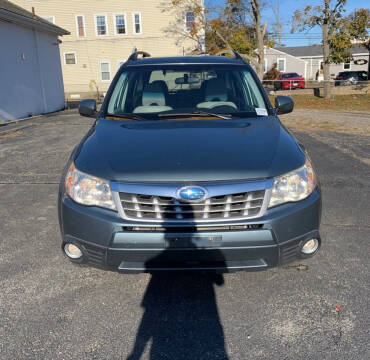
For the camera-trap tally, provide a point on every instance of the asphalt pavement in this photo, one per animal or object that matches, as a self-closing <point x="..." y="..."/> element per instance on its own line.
<point x="52" y="309"/>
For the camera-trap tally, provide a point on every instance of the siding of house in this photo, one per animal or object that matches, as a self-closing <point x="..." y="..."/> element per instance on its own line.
<point x="31" y="80"/>
<point x="314" y="63"/>
<point x="91" y="50"/>
<point x="295" y="55"/>
<point x="292" y="64"/>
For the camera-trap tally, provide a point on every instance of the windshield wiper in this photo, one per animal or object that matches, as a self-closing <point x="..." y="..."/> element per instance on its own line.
<point x="128" y="116"/>
<point x="196" y="113"/>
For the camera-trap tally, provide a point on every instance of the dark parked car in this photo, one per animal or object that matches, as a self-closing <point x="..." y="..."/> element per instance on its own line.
<point x="174" y="176"/>
<point x="287" y="81"/>
<point x="350" y="78"/>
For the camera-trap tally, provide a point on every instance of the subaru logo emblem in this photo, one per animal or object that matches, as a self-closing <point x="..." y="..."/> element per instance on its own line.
<point x="192" y="193"/>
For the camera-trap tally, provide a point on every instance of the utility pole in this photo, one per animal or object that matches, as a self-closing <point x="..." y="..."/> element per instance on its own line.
<point x="278" y="23"/>
<point x="326" y="53"/>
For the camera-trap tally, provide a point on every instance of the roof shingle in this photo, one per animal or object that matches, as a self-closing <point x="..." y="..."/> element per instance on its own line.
<point x="314" y="50"/>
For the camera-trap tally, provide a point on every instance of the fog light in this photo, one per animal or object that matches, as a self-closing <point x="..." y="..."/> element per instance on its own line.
<point x="310" y="246"/>
<point x="72" y="251"/>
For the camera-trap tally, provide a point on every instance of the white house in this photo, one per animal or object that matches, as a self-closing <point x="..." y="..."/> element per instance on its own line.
<point x="31" y="80"/>
<point x="284" y="61"/>
<point x="313" y="57"/>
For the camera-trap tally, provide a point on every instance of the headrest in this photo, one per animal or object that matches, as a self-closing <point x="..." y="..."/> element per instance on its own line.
<point x="153" y="95"/>
<point x="162" y="84"/>
<point x="216" y="90"/>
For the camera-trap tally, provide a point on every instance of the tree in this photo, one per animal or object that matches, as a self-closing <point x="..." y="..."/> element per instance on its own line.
<point x="352" y="27"/>
<point x="189" y="23"/>
<point x="260" y="34"/>
<point x="328" y="18"/>
<point x="277" y="27"/>
<point x="236" y="26"/>
<point x="247" y="13"/>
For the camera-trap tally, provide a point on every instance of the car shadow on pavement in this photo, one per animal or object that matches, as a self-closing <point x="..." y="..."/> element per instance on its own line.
<point x="181" y="319"/>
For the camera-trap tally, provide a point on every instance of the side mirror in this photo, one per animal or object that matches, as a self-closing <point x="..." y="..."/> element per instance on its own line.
<point x="87" y="108"/>
<point x="283" y="104"/>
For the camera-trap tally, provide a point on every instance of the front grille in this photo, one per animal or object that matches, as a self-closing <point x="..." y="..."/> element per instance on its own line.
<point x="191" y="229"/>
<point x="161" y="208"/>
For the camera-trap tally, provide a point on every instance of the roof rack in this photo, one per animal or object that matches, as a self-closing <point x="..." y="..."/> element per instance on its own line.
<point x="135" y="54"/>
<point x="234" y="54"/>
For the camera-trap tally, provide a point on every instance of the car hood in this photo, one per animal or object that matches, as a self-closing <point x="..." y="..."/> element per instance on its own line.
<point x="187" y="151"/>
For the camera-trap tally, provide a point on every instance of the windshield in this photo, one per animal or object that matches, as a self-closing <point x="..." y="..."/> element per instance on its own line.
<point x="290" y="75"/>
<point x="181" y="89"/>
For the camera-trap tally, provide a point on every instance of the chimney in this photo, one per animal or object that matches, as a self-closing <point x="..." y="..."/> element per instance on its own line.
<point x="33" y="11"/>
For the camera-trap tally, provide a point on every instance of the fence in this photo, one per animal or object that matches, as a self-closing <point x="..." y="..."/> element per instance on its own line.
<point x="313" y="87"/>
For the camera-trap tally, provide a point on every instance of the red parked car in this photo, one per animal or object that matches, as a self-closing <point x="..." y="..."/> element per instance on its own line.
<point x="286" y="81"/>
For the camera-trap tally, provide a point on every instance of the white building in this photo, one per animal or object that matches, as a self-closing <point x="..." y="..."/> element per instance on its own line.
<point x="31" y="80"/>
<point x="307" y="60"/>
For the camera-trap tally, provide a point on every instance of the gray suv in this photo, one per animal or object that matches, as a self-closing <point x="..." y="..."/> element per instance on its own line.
<point x="187" y="167"/>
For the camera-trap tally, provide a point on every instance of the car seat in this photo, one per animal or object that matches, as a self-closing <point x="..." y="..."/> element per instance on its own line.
<point x="215" y="94"/>
<point x="153" y="99"/>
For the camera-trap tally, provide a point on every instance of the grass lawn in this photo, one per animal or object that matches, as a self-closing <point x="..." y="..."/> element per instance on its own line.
<point x="359" y="102"/>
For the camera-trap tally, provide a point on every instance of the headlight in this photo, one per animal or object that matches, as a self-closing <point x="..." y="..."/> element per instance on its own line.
<point x="88" y="190"/>
<point x="293" y="186"/>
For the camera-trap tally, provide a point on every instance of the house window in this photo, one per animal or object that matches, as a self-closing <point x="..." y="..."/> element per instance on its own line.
<point x="70" y="58"/>
<point x="49" y="18"/>
<point x="121" y="62"/>
<point x="101" y="25"/>
<point x="264" y="65"/>
<point x="80" y="24"/>
<point x="120" y="24"/>
<point x="347" y="66"/>
<point x="137" y="23"/>
<point x="189" y="20"/>
<point x="105" y="70"/>
<point x="281" y="65"/>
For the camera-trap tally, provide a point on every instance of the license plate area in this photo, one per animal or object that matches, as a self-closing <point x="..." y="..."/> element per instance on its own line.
<point x="192" y="241"/>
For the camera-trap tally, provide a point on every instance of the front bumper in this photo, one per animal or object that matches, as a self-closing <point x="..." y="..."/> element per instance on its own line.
<point x="111" y="242"/>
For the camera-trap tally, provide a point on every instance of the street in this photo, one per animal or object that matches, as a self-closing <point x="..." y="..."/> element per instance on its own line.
<point x="52" y="309"/>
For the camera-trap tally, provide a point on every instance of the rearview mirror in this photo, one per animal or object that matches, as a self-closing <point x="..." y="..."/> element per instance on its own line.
<point x="187" y="80"/>
<point x="283" y="104"/>
<point x="87" y="108"/>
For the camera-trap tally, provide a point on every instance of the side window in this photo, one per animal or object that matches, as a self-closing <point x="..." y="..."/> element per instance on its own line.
<point x="252" y="91"/>
<point x="120" y="24"/>
<point x="101" y="25"/>
<point x="281" y="65"/>
<point x="347" y="66"/>
<point x="118" y="99"/>
<point x="136" y="19"/>
<point x="189" y="20"/>
<point x="80" y="26"/>
<point x="105" y="70"/>
<point x="264" y="65"/>
<point x="70" y="58"/>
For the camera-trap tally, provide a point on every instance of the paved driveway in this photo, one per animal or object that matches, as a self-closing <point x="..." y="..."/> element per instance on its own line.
<point x="51" y="309"/>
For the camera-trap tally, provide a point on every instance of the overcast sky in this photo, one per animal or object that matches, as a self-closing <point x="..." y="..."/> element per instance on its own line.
<point x="287" y="8"/>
